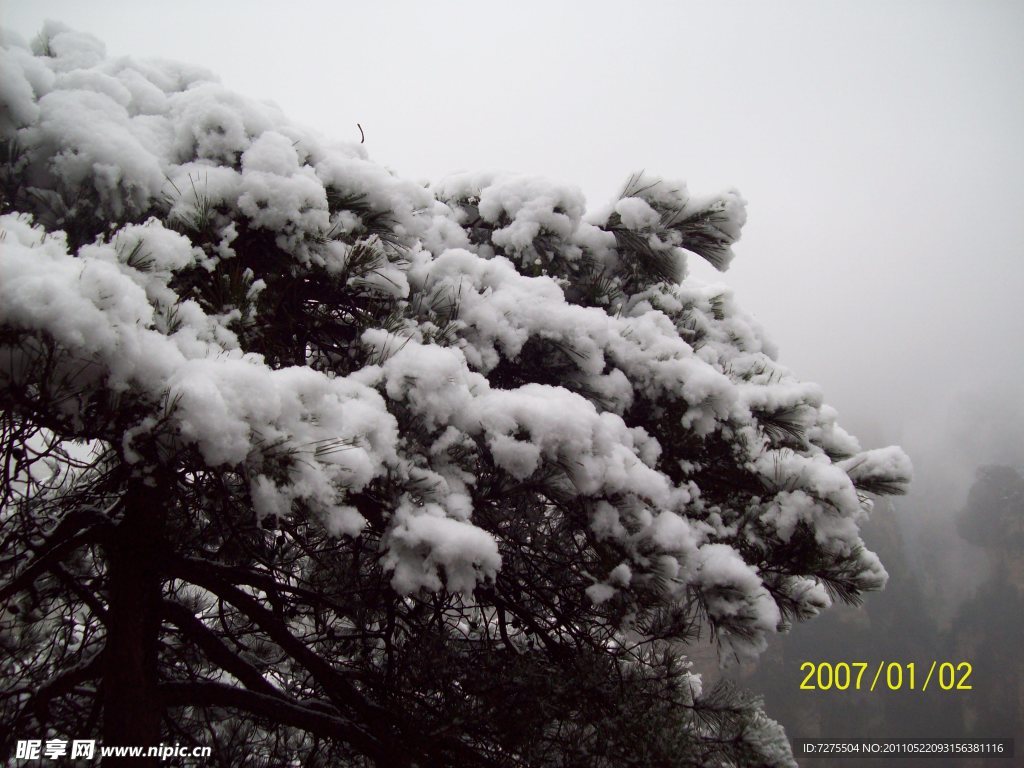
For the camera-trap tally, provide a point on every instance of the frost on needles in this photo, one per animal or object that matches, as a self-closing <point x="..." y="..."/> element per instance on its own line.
<point x="314" y="463"/>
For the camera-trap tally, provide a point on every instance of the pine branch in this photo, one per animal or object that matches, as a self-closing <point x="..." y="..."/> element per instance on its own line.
<point x="215" y="649"/>
<point x="73" y="532"/>
<point x="784" y="426"/>
<point x="387" y="726"/>
<point x="281" y="710"/>
<point x="702" y="233"/>
<point x="61" y="685"/>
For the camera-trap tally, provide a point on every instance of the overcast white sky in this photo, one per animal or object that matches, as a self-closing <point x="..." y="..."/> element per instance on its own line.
<point x="879" y="145"/>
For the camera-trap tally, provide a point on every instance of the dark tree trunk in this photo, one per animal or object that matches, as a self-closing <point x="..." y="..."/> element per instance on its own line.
<point x="131" y="707"/>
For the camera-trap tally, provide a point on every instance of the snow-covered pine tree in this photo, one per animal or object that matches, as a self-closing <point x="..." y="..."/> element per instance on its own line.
<point x="313" y="464"/>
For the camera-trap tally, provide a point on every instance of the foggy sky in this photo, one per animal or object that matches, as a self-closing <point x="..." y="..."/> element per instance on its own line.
<point x="878" y="144"/>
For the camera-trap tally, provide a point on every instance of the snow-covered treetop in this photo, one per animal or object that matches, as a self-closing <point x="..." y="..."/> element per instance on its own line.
<point x="226" y="289"/>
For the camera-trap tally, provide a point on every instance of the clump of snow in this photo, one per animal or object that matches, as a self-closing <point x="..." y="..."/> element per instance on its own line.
<point x="733" y="593"/>
<point x="279" y="195"/>
<point x="425" y="543"/>
<point x="600" y="593"/>
<point x="636" y="213"/>
<point x="880" y="465"/>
